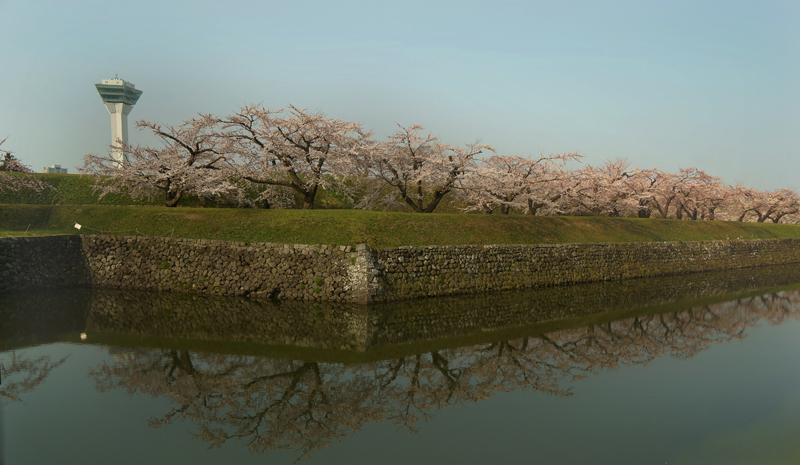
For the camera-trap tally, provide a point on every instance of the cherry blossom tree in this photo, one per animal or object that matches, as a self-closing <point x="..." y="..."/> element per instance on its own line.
<point x="22" y="175"/>
<point x="616" y="190"/>
<point x="755" y="205"/>
<point x="700" y="195"/>
<point x="301" y="151"/>
<point x="663" y="190"/>
<point x="8" y="162"/>
<point x="419" y="170"/>
<point x="550" y="198"/>
<point x="607" y="190"/>
<point x="777" y="204"/>
<point x="739" y="205"/>
<point x="523" y="182"/>
<point x="194" y="158"/>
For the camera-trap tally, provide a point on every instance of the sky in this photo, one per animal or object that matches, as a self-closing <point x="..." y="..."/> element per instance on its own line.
<point x="666" y="84"/>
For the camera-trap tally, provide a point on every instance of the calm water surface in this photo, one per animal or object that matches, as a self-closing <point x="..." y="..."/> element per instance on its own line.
<point x="702" y="369"/>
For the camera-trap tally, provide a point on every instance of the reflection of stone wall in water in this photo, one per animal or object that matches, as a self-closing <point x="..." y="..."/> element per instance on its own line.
<point x="355" y="327"/>
<point x="38" y="317"/>
<point x="305" y="324"/>
<point x="272" y="403"/>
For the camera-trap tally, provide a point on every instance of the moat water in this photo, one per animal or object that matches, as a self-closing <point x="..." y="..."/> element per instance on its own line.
<point x="699" y="369"/>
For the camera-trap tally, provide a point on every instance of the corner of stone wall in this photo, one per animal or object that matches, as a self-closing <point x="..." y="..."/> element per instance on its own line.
<point x="364" y="275"/>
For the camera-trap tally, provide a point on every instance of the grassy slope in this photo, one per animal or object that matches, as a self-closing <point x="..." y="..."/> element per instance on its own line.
<point x="379" y="229"/>
<point x="70" y="189"/>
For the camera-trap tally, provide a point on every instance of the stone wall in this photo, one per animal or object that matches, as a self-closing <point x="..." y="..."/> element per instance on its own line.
<point x="41" y="262"/>
<point x="358" y="274"/>
<point x="413" y="272"/>
<point x="296" y="272"/>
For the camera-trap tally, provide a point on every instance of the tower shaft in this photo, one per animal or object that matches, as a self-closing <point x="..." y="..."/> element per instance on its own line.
<point x="119" y="130"/>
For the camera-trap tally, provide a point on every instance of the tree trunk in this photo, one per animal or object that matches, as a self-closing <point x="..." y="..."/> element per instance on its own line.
<point x="412" y="204"/>
<point x="420" y="198"/>
<point x="533" y="207"/>
<point x="437" y="197"/>
<point x="171" y="199"/>
<point x="308" y="197"/>
<point x="665" y="215"/>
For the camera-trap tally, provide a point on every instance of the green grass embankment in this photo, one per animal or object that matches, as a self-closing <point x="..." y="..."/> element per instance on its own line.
<point x="378" y="229"/>
<point x="70" y="189"/>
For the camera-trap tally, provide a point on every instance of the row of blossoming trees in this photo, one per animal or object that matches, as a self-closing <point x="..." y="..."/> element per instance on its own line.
<point x="295" y="152"/>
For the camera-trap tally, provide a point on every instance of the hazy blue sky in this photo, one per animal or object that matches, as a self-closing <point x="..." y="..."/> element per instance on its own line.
<point x="668" y="84"/>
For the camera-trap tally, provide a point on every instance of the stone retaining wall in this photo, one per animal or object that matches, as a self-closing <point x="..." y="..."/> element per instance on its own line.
<point x="358" y="274"/>
<point x="41" y="262"/>
<point x="297" y="272"/>
<point x="413" y="272"/>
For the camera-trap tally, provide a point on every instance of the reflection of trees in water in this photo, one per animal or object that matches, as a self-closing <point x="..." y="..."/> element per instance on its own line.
<point x="281" y="404"/>
<point x="269" y="403"/>
<point x="21" y="374"/>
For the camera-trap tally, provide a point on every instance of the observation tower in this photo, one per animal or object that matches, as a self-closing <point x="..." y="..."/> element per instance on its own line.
<point x="119" y="97"/>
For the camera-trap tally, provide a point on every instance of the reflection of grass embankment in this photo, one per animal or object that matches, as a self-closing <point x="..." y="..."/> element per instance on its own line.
<point x="378" y="229"/>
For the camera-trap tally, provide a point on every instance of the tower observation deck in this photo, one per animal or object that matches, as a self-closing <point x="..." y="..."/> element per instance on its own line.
<point x="119" y="97"/>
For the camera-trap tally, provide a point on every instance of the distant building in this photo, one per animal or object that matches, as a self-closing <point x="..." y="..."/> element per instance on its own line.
<point x="57" y="169"/>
